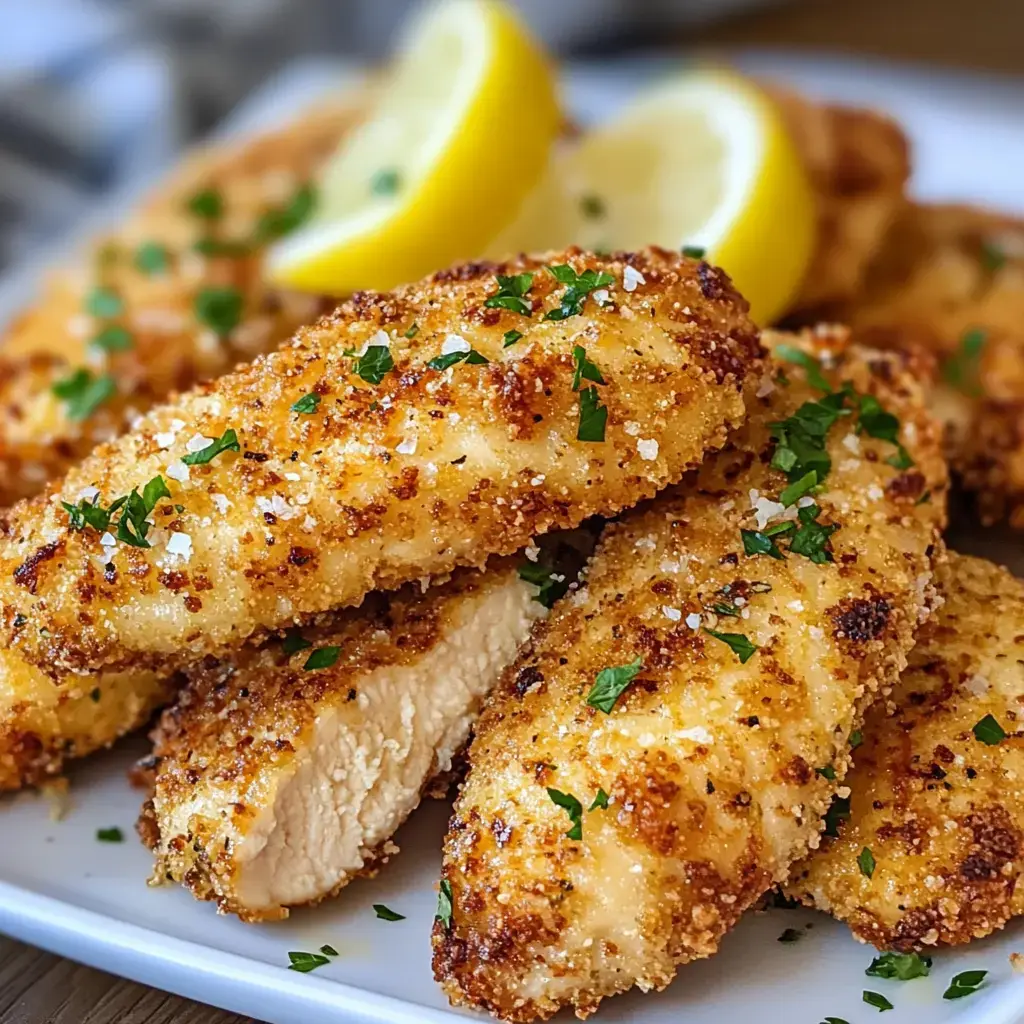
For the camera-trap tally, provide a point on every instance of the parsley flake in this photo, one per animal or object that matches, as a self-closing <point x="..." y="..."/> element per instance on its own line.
<point x="755" y="542"/>
<point x="328" y="950"/>
<point x="544" y="577"/>
<point x="584" y="369"/>
<point x="962" y="369"/>
<point x="800" y="438"/>
<point x="152" y="258"/>
<point x="798" y="488"/>
<point x="838" y="812"/>
<point x="993" y="256"/>
<point x="206" y="204"/>
<point x="866" y="862"/>
<point x="593" y="416"/>
<point x="472" y="357"/>
<point x="413" y="330"/>
<point x="444" y="904"/>
<point x="811" y="539"/>
<point x="739" y="644"/>
<point x="592" y="207"/>
<point x="113" y="338"/>
<point x="294" y="641"/>
<point x="133" y="526"/>
<point x="110" y="835"/>
<point x="511" y="293"/>
<point x="611" y="683"/>
<point x="104" y="303"/>
<point x="322" y="657"/>
<point x="964" y="984"/>
<point x="306" y="962"/>
<point x="827" y="772"/>
<point x="577" y="288"/>
<point x="899" y="966"/>
<point x="228" y="441"/>
<point x="876" y="422"/>
<point x="83" y="393"/>
<point x="90" y="513"/>
<point x="220" y="309"/>
<point x="811" y="366"/>
<point x="989" y="731"/>
<point x="573" y="808"/>
<point x="511" y="337"/>
<point x="385" y="182"/>
<point x="694" y="252"/>
<point x="307" y="404"/>
<point x="790" y="935"/>
<point x="834" y="1020"/>
<point x="725" y="608"/>
<point x="276" y="223"/>
<point x="600" y="801"/>
<point x="856" y="739"/>
<point x="375" y="364"/>
<point x="877" y="1000"/>
<point x="386" y="914"/>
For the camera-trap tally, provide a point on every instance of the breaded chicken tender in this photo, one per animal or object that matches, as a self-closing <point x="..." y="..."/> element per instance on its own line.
<point x="404" y="435"/>
<point x="859" y="163"/>
<point x="647" y="768"/>
<point x="951" y="279"/>
<point x="935" y="791"/>
<point x="276" y="783"/>
<point x="142" y="313"/>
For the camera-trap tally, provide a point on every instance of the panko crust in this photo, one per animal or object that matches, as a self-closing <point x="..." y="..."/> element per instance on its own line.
<point x="940" y="811"/>
<point x="708" y="763"/>
<point x="406" y="478"/>
<point x="171" y="348"/>
<point x="859" y="163"/>
<point x="944" y="273"/>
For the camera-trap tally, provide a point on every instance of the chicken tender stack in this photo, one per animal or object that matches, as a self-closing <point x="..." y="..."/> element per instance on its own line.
<point x="405" y="435"/>
<point x="935" y="792"/>
<point x="649" y="766"/>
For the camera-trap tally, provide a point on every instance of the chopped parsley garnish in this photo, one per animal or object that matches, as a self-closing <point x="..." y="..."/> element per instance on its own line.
<point x="328" y="950"/>
<point x="83" y="393"/>
<point x="592" y="207"/>
<point x="94" y="695"/>
<point x="510" y="294"/>
<point x="573" y="808"/>
<point x="798" y="488"/>
<point x="866" y="862"/>
<point x="322" y="657"/>
<point x="113" y="338"/>
<point x="899" y="966"/>
<point x="725" y="608"/>
<point x="611" y="683"/>
<point x="790" y="935"/>
<point x="965" y="983"/>
<point x="220" y="309"/>
<point x="593" y="417"/>
<point x="104" y="303"/>
<point x="989" y="731"/>
<point x="756" y="542"/>
<point x="739" y="644"/>
<point x="577" y="288"/>
<point x="227" y="442"/>
<point x="584" y="369"/>
<point x="827" y="772"/>
<point x="375" y="364"/>
<point x="856" y="739"/>
<point x="962" y="368"/>
<point x="385" y="182"/>
<point x="838" y="812"/>
<point x="834" y="1020"/>
<point x="924" y="499"/>
<point x="110" y="835"/>
<point x="800" y="439"/>
<point x="90" y="513"/>
<point x="878" y="423"/>
<point x="307" y="404"/>
<point x="306" y="962"/>
<point x="444" y="904"/>
<point x="811" y="366"/>
<point x="451" y="358"/>
<point x="811" y="539"/>
<point x="694" y="252"/>
<point x="413" y="330"/>
<point x="511" y="337"/>
<point x="207" y="204"/>
<point x="294" y="641"/>
<point x="877" y="1000"/>
<point x="283" y="220"/>
<point x="543" y="576"/>
<point x="993" y="256"/>
<point x="600" y="801"/>
<point x="152" y="258"/>
<point x="133" y="526"/>
<point x="386" y="914"/>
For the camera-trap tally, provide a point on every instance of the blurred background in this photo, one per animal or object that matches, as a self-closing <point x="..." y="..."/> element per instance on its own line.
<point x="98" y="94"/>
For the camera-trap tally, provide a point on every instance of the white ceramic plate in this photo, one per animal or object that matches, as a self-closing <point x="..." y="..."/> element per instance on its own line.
<point x="61" y="889"/>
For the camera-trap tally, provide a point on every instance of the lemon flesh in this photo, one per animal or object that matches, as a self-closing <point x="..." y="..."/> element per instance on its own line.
<point x="460" y="134"/>
<point x="700" y="160"/>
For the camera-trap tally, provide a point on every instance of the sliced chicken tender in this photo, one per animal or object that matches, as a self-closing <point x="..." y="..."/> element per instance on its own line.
<point x="323" y="471"/>
<point x="859" y="163"/>
<point x="142" y="313"/>
<point x="276" y="784"/>
<point x="598" y="843"/>
<point x="935" y="790"/>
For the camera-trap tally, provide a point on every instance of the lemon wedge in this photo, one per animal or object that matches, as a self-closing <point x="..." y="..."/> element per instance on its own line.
<point x="460" y="133"/>
<point x="700" y="160"/>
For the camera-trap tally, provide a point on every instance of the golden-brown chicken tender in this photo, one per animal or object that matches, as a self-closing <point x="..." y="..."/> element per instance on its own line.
<point x="859" y="163"/>
<point x="647" y="767"/>
<point x="951" y="279"/>
<point x="142" y="313"/>
<point x="935" y="791"/>
<point x="346" y="462"/>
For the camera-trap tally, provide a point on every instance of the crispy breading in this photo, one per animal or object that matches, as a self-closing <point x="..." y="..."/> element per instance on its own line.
<point x="859" y="164"/>
<point x="941" y="811"/>
<point x="275" y="786"/>
<point x="951" y="279"/>
<point x="707" y="762"/>
<point x="170" y="346"/>
<point x="405" y="475"/>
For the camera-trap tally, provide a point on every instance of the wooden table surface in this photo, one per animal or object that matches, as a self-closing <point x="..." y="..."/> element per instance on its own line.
<point x="37" y="987"/>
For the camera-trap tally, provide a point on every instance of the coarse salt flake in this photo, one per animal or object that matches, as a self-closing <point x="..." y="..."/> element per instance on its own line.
<point x="180" y="544"/>
<point x="693" y="620"/>
<point x="647" y="448"/>
<point x="407" y="447"/>
<point x="631" y="277"/>
<point x="196" y="443"/>
<point x="454" y="343"/>
<point x="177" y="470"/>
<point x="631" y="427"/>
<point x="671" y="613"/>
<point x="697" y="733"/>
